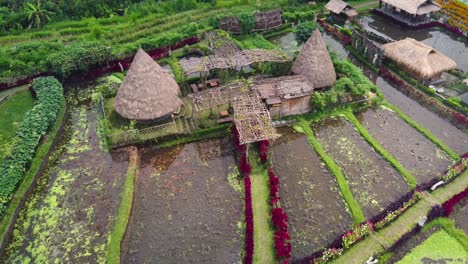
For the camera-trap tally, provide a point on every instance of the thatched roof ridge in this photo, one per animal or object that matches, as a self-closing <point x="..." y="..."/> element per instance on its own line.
<point x="148" y="92"/>
<point x="420" y="58"/>
<point x="315" y="63"/>
<point x="412" y="6"/>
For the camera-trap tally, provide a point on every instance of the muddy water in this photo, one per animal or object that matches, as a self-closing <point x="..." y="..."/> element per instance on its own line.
<point x="447" y="43"/>
<point x="287" y="42"/>
<point x="184" y="210"/>
<point x="415" y="152"/>
<point x="374" y="182"/>
<point x="460" y="215"/>
<point x="71" y="212"/>
<point x="309" y="194"/>
<point x="335" y="45"/>
<point x="442" y="129"/>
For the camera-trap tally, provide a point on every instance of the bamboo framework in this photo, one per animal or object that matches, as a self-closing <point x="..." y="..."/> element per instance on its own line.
<point x="238" y="60"/>
<point x="268" y="20"/>
<point x="252" y="119"/>
<point x="215" y="97"/>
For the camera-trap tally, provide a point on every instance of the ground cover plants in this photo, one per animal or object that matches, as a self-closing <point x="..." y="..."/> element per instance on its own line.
<point x="34" y="125"/>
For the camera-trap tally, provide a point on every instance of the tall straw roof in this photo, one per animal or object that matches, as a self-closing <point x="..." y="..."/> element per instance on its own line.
<point x="339" y="6"/>
<point x="148" y="91"/>
<point x="414" y="6"/>
<point x="314" y="62"/>
<point x="422" y="59"/>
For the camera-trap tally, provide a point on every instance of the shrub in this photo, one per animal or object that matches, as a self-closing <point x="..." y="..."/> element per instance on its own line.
<point x="35" y="124"/>
<point x="304" y="30"/>
<point x="246" y="23"/>
<point x="263" y="148"/>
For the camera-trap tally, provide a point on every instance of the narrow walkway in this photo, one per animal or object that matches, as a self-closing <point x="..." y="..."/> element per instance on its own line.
<point x="371" y="246"/>
<point x="263" y="230"/>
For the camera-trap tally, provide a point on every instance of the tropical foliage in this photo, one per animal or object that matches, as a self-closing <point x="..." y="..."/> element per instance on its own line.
<point x="304" y="30"/>
<point x="34" y="125"/>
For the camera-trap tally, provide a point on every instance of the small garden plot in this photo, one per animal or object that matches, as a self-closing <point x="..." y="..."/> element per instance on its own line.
<point x="12" y="111"/>
<point x="415" y="152"/>
<point x="440" y="247"/>
<point x="70" y="214"/>
<point x="185" y="210"/>
<point x="441" y="128"/>
<point x="374" y="182"/>
<point x="310" y="195"/>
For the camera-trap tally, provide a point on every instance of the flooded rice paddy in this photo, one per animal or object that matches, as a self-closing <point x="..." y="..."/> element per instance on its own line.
<point x="445" y="42"/>
<point x="185" y="210"/>
<point x="441" y="128"/>
<point x="309" y="195"/>
<point x="415" y="152"/>
<point x="71" y="211"/>
<point x="374" y="182"/>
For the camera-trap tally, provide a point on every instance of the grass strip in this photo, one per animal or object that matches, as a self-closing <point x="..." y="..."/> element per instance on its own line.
<point x="28" y="178"/>
<point x="123" y="215"/>
<point x="263" y="232"/>
<point x="352" y="204"/>
<point x="423" y="131"/>
<point x="449" y="226"/>
<point x="409" y="178"/>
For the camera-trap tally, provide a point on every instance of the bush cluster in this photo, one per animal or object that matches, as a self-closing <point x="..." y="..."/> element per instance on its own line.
<point x="35" y="124"/>
<point x="279" y="219"/>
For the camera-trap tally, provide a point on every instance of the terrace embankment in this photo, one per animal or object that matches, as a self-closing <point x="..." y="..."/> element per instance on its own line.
<point x="70" y="212"/>
<point x="374" y="183"/>
<point x="309" y="194"/>
<point x="185" y="210"/>
<point x="422" y="158"/>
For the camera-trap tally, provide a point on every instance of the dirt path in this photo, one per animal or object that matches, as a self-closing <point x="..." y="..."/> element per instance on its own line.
<point x="371" y="246"/>
<point x="263" y="231"/>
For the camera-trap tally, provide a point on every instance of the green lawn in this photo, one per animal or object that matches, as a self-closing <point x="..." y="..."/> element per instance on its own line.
<point x="11" y="114"/>
<point x="439" y="246"/>
<point x="263" y="229"/>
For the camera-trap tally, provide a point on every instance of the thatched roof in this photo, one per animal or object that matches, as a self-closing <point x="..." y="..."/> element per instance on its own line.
<point x="314" y="62"/>
<point x="285" y="87"/>
<point x="148" y="92"/>
<point x="422" y="59"/>
<point x="414" y="7"/>
<point x="339" y="6"/>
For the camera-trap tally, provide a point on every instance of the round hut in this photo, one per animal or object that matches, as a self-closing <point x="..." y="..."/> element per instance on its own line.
<point x="314" y="62"/>
<point x="148" y="93"/>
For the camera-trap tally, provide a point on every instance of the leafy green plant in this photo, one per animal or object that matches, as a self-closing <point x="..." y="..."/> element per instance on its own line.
<point x="34" y="125"/>
<point x="246" y="22"/>
<point x="304" y="30"/>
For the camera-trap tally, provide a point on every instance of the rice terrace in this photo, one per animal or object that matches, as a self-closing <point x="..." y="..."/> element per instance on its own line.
<point x="234" y="131"/>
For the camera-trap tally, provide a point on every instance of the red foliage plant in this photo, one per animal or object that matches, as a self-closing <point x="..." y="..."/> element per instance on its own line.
<point x="249" y="229"/>
<point x="452" y="202"/>
<point x="263" y="148"/>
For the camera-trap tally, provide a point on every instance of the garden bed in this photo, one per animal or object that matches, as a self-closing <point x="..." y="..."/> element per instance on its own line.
<point x="309" y="194"/>
<point x="70" y="213"/>
<point x="185" y="210"/>
<point x="375" y="184"/>
<point x="441" y="128"/>
<point x="422" y="158"/>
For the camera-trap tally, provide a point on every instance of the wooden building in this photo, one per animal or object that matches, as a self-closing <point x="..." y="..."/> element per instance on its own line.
<point x="418" y="59"/>
<point x="287" y="95"/>
<point x="341" y="10"/>
<point x="412" y="12"/>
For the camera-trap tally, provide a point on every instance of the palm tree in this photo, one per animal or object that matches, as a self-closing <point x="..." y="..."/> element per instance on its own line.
<point x="36" y="15"/>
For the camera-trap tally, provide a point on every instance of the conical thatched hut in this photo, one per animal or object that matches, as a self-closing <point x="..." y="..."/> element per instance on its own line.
<point x="420" y="60"/>
<point x="148" y="93"/>
<point x="314" y="62"/>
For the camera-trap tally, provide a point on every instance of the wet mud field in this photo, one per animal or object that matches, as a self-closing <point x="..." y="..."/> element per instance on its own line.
<point x="441" y="128"/>
<point x="185" y="210"/>
<point x="374" y="182"/>
<point x="460" y="215"/>
<point x="69" y="215"/>
<point x="309" y="195"/>
<point x="416" y="153"/>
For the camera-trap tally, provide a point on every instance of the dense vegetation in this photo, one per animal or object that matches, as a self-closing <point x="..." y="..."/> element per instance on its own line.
<point x="35" y="124"/>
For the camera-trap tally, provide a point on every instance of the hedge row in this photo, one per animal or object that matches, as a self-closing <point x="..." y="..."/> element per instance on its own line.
<point x="35" y="124"/>
<point x="280" y="220"/>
